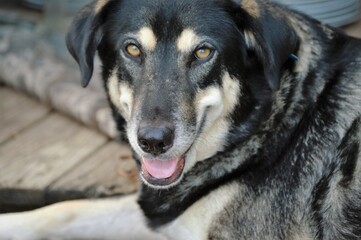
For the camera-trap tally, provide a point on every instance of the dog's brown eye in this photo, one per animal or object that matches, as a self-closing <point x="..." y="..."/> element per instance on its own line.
<point x="202" y="53"/>
<point x="133" y="50"/>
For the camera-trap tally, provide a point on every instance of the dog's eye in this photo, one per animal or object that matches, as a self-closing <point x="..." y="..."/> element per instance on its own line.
<point x="202" y="53"/>
<point x="133" y="50"/>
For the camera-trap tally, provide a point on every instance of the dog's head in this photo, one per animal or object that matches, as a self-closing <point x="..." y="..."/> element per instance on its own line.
<point x="191" y="78"/>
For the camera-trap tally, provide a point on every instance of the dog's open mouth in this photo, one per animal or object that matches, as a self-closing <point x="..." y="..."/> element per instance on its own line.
<point x="162" y="172"/>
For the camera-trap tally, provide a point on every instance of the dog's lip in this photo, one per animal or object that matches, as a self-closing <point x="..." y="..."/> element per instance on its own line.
<point x="169" y="170"/>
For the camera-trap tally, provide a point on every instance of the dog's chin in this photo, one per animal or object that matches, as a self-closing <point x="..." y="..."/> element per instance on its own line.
<point x="158" y="173"/>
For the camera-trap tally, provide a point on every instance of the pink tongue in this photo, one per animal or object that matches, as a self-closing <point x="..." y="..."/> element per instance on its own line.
<point x="160" y="169"/>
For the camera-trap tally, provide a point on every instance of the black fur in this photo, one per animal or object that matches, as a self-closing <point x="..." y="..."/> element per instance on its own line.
<point x="294" y="139"/>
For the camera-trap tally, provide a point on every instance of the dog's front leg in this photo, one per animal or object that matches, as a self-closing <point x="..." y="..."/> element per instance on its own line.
<point x="83" y="219"/>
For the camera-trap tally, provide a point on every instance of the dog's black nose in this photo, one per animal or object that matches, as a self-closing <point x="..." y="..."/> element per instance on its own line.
<point x="155" y="140"/>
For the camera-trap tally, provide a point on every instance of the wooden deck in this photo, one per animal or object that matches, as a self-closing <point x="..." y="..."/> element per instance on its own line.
<point x="46" y="157"/>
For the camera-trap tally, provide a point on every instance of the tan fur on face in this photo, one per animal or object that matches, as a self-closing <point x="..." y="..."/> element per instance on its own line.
<point x="121" y="96"/>
<point x="187" y="40"/>
<point x="147" y="38"/>
<point x="231" y="93"/>
<point x="251" y="7"/>
<point x="217" y="103"/>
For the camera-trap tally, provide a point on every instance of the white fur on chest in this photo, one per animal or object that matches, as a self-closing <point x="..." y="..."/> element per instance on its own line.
<point x="195" y="222"/>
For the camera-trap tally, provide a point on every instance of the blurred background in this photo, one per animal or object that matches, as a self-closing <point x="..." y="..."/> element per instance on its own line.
<point x="56" y="138"/>
<point x="334" y="12"/>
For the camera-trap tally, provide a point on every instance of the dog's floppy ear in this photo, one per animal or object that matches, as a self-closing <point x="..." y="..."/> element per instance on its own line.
<point x="84" y="37"/>
<point x="268" y="34"/>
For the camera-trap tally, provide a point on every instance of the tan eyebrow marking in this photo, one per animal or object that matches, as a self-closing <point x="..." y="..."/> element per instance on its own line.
<point x="187" y="40"/>
<point x="147" y="38"/>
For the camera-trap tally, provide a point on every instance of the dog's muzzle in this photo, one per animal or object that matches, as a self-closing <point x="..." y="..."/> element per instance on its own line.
<point x="156" y="140"/>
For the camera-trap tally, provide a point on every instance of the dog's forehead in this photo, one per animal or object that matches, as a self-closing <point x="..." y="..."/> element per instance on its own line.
<point x="184" y="42"/>
<point x="170" y="20"/>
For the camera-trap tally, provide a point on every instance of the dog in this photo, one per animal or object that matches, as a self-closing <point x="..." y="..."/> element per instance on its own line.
<point x="244" y="118"/>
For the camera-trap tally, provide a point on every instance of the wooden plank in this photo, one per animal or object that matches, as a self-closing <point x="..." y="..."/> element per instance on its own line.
<point x="38" y="156"/>
<point x="110" y="171"/>
<point x="17" y="111"/>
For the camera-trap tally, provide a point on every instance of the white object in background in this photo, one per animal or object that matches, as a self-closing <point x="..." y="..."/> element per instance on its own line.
<point x="333" y="12"/>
